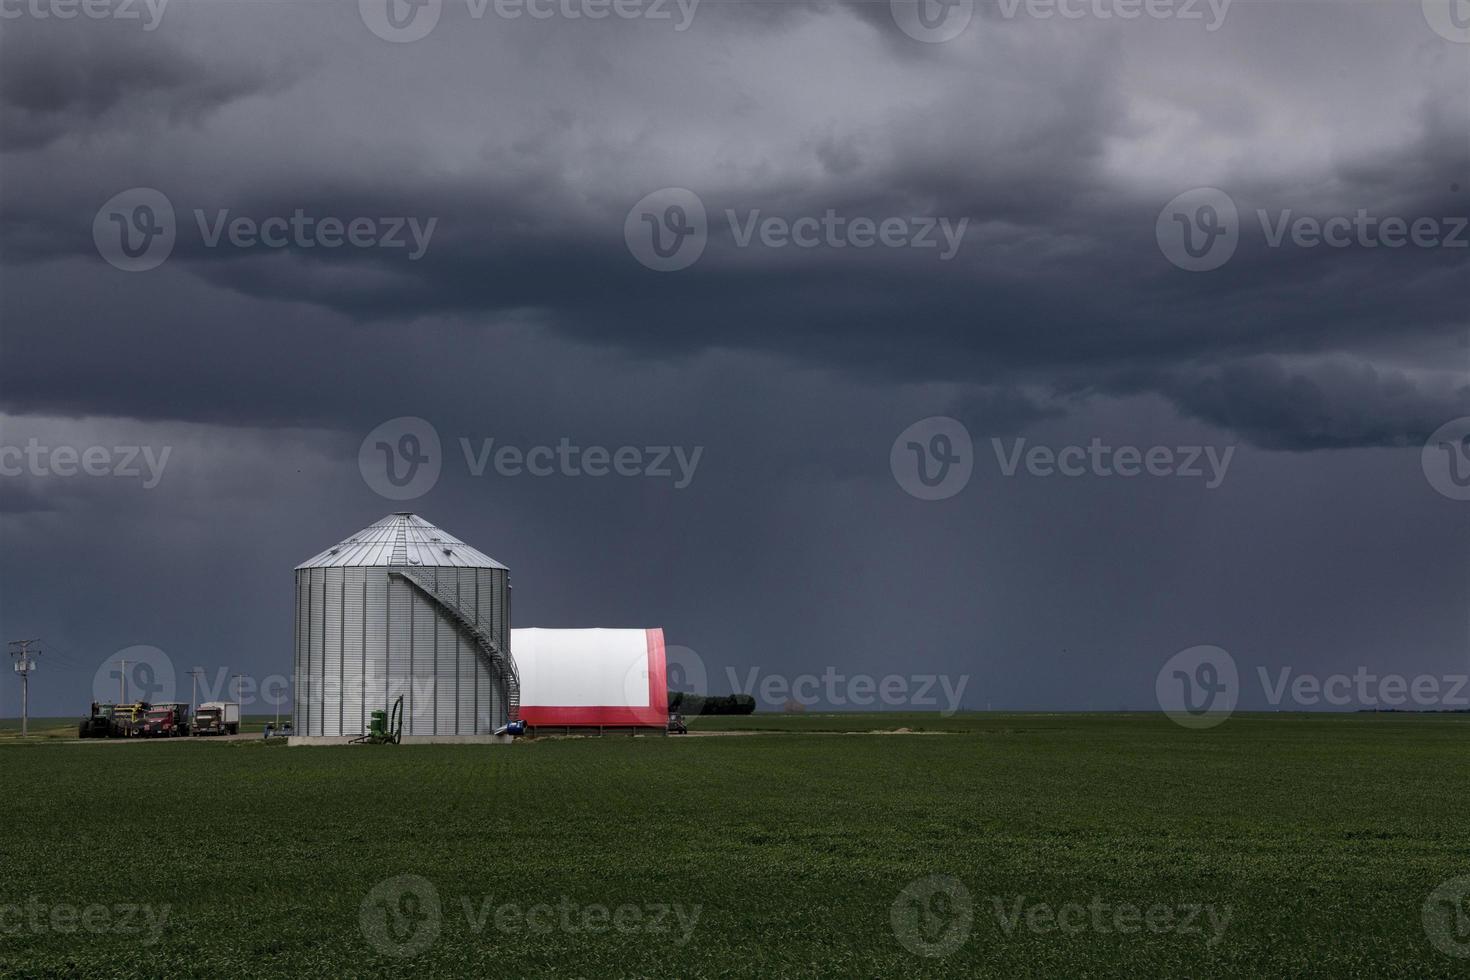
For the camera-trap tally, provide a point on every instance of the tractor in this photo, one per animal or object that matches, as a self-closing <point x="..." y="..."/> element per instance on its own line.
<point x="98" y="724"/>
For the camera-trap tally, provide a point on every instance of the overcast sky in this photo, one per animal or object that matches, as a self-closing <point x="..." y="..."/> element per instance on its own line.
<point x="775" y="235"/>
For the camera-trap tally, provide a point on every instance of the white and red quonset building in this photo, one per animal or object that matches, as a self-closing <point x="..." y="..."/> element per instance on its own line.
<point x="592" y="678"/>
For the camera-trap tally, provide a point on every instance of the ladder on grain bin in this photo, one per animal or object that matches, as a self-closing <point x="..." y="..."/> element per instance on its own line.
<point x="502" y="667"/>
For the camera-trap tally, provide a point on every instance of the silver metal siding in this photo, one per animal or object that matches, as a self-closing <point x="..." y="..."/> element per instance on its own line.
<point x="316" y="590"/>
<point x="375" y="691"/>
<point x="354" y="649"/>
<point x="419" y="709"/>
<point x="400" y="639"/>
<point x="332" y="582"/>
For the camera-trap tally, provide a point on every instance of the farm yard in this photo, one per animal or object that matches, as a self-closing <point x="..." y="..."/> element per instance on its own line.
<point x="1003" y="845"/>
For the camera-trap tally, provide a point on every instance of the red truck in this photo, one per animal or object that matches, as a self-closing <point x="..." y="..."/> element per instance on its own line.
<point x="165" y="721"/>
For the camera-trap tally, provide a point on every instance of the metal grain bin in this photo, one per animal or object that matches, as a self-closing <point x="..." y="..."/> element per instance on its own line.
<point x="403" y="607"/>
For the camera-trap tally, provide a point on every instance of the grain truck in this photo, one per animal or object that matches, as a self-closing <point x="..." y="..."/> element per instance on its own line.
<point x="217" y="718"/>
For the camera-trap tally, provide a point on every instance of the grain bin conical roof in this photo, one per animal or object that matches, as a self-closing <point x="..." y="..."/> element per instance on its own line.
<point x="401" y="539"/>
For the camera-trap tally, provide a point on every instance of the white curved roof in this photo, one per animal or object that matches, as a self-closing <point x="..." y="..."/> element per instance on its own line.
<point x="401" y="539"/>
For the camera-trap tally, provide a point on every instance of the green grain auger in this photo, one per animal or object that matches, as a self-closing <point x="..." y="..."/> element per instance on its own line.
<point x="381" y="729"/>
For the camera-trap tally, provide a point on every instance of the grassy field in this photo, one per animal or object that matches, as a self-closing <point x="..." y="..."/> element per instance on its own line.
<point x="1281" y="844"/>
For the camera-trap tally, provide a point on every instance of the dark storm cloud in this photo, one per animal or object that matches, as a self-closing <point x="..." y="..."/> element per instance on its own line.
<point x="1321" y="406"/>
<point x="1059" y="282"/>
<point x="60" y="82"/>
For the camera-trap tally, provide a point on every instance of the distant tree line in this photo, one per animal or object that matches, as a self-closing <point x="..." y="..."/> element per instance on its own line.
<point x="699" y="704"/>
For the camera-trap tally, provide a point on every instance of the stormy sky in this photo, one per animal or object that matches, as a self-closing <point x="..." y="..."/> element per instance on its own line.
<point x="512" y="175"/>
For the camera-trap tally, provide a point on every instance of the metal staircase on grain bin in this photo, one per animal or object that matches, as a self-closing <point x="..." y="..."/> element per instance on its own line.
<point x="499" y="661"/>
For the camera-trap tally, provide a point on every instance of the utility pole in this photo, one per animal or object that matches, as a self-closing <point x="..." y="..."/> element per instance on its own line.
<point x="122" y="683"/>
<point x="236" y="679"/>
<point x="23" y="666"/>
<point x="194" y="697"/>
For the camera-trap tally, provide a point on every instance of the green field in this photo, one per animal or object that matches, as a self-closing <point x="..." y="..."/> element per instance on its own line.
<point x="1314" y="840"/>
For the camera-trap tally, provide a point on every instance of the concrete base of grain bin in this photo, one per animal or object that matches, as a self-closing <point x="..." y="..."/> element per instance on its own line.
<point x="407" y="740"/>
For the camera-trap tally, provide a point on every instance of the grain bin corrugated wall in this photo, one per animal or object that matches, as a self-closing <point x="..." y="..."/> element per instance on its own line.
<point x="403" y="607"/>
